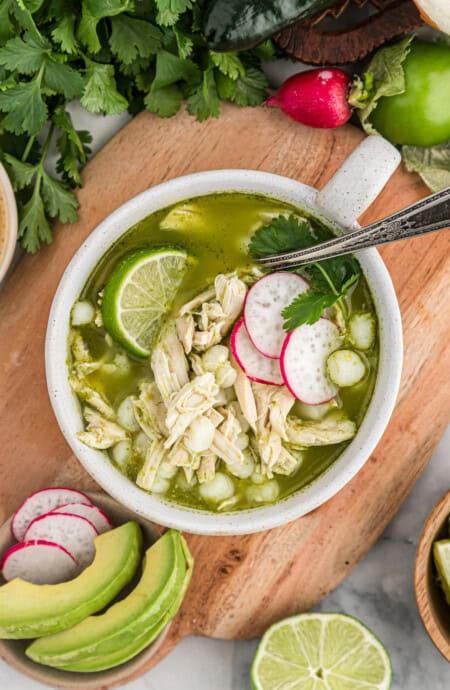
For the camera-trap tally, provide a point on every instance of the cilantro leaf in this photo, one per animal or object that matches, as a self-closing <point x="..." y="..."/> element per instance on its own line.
<point x="87" y="30"/>
<point x="107" y="8"/>
<point x="6" y="25"/>
<point x="170" y="69"/>
<point x="333" y="274"/>
<point x="228" y="63"/>
<point x="203" y="101"/>
<point x="33" y="224"/>
<point x="131" y="38"/>
<point x="283" y="234"/>
<point x="225" y="86"/>
<point x="63" y="79"/>
<point x="25" y="108"/>
<point x="73" y="147"/>
<point x="32" y="5"/>
<point x="70" y="159"/>
<point x="169" y="11"/>
<point x="59" y="201"/>
<point x="265" y="51"/>
<point x="21" y="174"/>
<point x="25" y="55"/>
<point x="100" y="93"/>
<point x="80" y="139"/>
<point x="307" y="308"/>
<point x="329" y="279"/>
<point x="185" y="44"/>
<point x="64" y="34"/>
<point x="250" y="88"/>
<point x="165" y="102"/>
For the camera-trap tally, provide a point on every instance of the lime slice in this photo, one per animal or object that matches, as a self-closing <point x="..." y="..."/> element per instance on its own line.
<point x="139" y="292"/>
<point x="320" y="651"/>
<point x="441" y="553"/>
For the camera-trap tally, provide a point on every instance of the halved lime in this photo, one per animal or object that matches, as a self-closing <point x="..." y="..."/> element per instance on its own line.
<point x="320" y="651"/>
<point x="441" y="553"/>
<point x="139" y="292"/>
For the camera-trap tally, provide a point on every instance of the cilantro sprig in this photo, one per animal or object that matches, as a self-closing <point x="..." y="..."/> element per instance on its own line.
<point x="329" y="279"/>
<point x="112" y="55"/>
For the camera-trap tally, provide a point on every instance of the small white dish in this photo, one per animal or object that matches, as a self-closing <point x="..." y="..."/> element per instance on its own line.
<point x="355" y="190"/>
<point x="8" y="216"/>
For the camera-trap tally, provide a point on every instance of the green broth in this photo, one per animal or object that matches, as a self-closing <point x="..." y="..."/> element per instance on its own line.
<point x="219" y="245"/>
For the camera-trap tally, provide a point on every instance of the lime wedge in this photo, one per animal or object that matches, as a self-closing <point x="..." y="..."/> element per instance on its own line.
<point x="139" y="292"/>
<point x="441" y="553"/>
<point x="320" y="651"/>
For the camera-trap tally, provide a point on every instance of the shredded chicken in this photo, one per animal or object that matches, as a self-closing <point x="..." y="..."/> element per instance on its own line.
<point x="207" y="468"/>
<point x="246" y="399"/>
<point x="169" y="363"/>
<point x="93" y="397"/>
<point x="150" y="410"/>
<point x="101" y="433"/>
<point x="288" y="461"/>
<point x="83" y="362"/>
<point x="185" y="331"/>
<point x="192" y="400"/>
<point x="225" y="449"/>
<point x="206" y="320"/>
<point x="179" y="455"/>
<point x="335" y="428"/>
<point x="153" y="459"/>
<point x="272" y="405"/>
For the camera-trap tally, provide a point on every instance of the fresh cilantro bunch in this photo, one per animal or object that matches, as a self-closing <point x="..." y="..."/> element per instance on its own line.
<point x="329" y="279"/>
<point x="113" y="55"/>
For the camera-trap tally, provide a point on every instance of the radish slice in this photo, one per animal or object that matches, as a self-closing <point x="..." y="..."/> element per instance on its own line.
<point x="99" y="519"/>
<point x="40" y="503"/>
<point x="265" y="301"/>
<point x="254" y="365"/>
<point x="40" y="562"/>
<point x="303" y="359"/>
<point x="73" y="532"/>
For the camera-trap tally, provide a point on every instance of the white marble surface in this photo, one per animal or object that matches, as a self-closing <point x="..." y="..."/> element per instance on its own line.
<point x="379" y="591"/>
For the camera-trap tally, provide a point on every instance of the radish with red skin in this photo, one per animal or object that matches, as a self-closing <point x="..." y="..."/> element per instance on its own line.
<point x="99" y="519"/>
<point x="316" y="98"/>
<point x="255" y="366"/>
<point x="40" y="503"/>
<point x="303" y="361"/>
<point x="74" y="532"/>
<point x="40" y="562"/>
<point x="264" y="304"/>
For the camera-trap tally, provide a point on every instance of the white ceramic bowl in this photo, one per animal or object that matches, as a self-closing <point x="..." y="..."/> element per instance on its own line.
<point x="67" y="408"/>
<point x="10" y="212"/>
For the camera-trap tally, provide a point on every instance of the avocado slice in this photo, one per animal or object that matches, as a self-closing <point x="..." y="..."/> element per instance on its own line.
<point x="28" y="610"/>
<point x="129" y="626"/>
<point x="107" y="661"/>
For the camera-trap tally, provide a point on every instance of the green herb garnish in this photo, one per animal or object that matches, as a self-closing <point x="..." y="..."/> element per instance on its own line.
<point x="112" y="55"/>
<point x="329" y="279"/>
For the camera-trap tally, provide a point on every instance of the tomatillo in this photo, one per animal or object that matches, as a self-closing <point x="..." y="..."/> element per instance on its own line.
<point x="421" y="115"/>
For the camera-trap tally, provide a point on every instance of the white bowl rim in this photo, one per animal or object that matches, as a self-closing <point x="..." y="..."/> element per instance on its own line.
<point x="66" y="406"/>
<point x="12" y="220"/>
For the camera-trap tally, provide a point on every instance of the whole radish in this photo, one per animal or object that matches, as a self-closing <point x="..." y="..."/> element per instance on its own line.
<point x="317" y="98"/>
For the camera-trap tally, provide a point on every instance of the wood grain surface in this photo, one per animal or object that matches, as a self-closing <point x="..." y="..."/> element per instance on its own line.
<point x="240" y="584"/>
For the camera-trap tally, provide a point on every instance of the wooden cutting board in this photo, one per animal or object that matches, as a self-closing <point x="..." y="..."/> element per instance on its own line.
<point x="240" y="584"/>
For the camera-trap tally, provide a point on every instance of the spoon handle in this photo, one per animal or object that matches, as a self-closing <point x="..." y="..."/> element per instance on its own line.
<point x="427" y="215"/>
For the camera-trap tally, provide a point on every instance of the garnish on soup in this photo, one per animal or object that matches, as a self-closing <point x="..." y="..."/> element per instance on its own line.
<point x="208" y="381"/>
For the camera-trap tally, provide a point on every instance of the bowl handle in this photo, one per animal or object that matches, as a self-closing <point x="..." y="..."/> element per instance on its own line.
<point x="359" y="180"/>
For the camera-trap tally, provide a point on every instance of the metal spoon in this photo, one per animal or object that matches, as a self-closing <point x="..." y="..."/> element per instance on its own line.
<point x="427" y="215"/>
